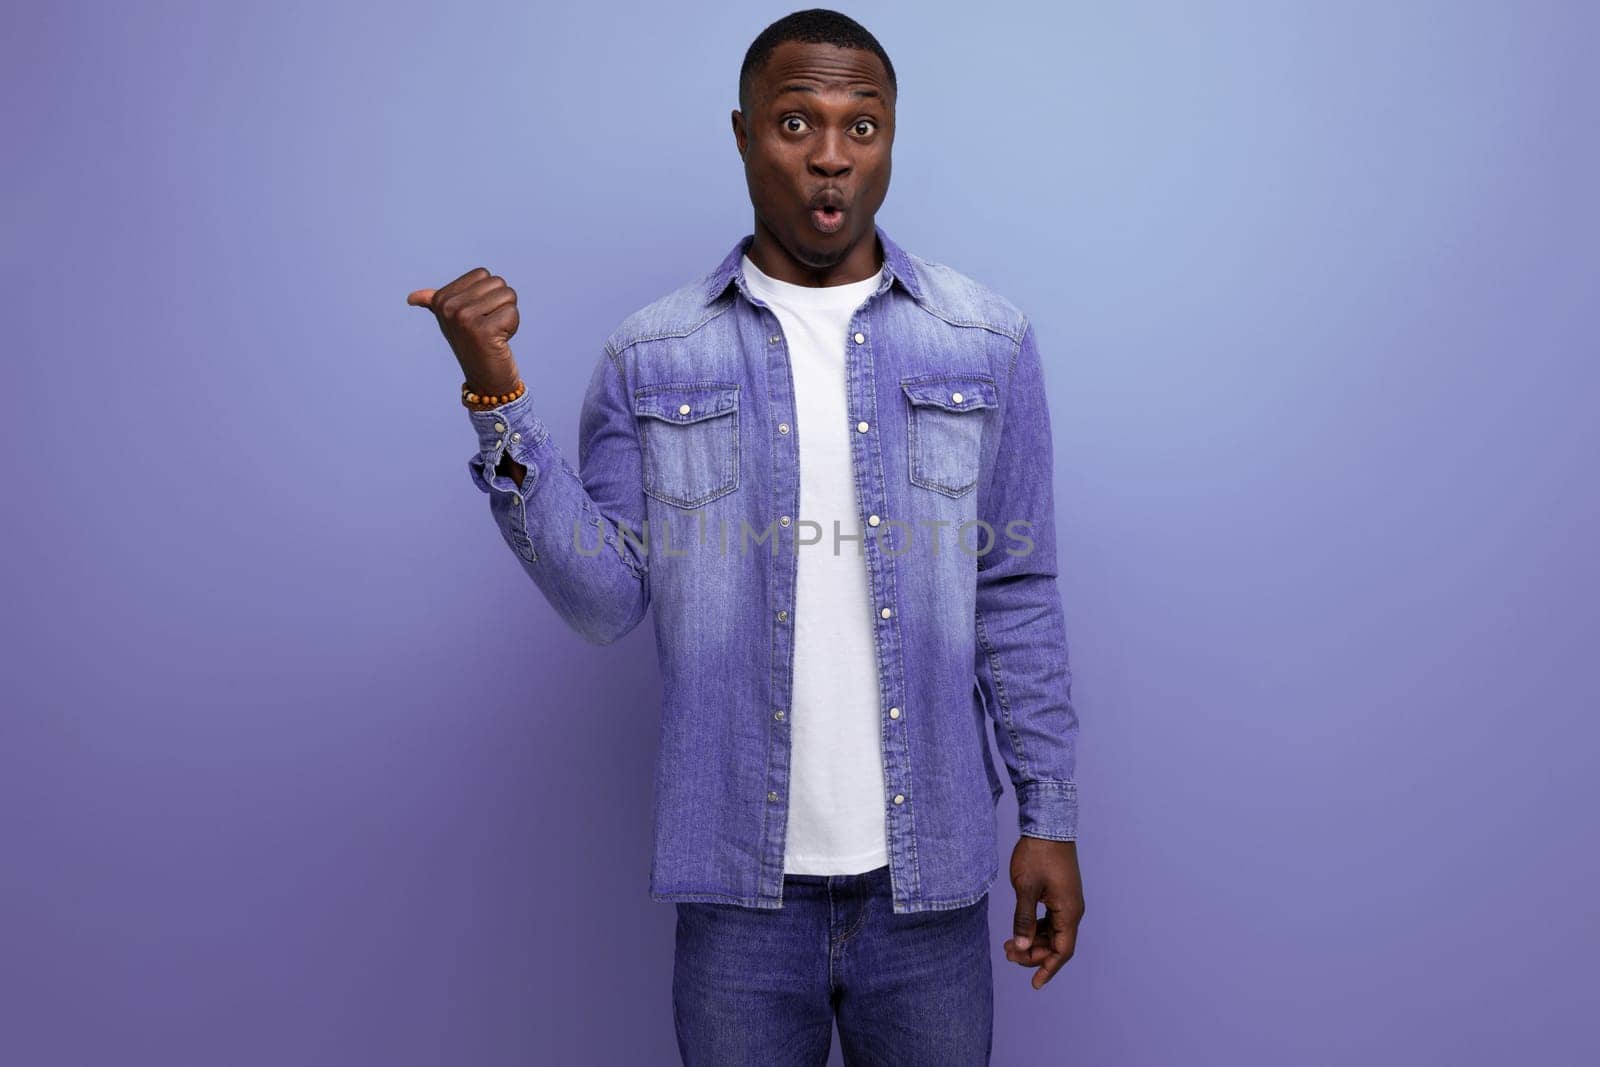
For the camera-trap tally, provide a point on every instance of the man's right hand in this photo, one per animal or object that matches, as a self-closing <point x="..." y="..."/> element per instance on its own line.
<point x="477" y="314"/>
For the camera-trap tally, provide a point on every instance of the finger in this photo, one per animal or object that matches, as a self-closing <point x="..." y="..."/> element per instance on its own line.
<point x="503" y="322"/>
<point x="1033" y="957"/>
<point x="1038" y="948"/>
<point x="421" y="298"/>
<point x="445" y="292"/>
<point x="462" y="304"/>
<point x="1034" y="954"/>
<point x="495" y="299"/>
<point x="1026" y="917"/>
<point x="1063" y="910"/>
<point x="1063" y="941"/>
<point x="1048" y="968"/>
<point x="504" y="317"/>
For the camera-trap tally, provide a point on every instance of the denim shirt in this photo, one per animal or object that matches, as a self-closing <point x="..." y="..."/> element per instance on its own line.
<point x="685" y="497"/>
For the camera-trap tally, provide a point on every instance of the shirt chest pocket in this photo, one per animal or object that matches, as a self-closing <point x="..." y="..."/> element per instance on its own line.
<point x="946" y="414"/>
<point x="689" y="437"/>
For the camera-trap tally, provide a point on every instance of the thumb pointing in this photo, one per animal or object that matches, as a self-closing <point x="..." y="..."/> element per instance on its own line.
<point x="421" y="298"/>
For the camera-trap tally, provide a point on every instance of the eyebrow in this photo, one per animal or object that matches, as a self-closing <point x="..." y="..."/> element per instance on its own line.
<point x="797" y="87"/>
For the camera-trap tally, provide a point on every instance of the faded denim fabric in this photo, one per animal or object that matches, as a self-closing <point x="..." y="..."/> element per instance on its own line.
<point x="685" y="498"/>
<point x="912" y="988"/>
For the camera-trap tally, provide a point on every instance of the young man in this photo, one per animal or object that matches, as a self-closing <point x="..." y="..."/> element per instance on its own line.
<point x="827" y="464"/>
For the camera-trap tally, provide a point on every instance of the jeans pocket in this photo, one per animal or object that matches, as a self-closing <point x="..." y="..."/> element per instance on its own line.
<point x="689" y="439"/>
<point x="946" y="417"/>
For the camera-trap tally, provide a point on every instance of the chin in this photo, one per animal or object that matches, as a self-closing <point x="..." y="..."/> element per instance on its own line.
<point x="805" y="249"/>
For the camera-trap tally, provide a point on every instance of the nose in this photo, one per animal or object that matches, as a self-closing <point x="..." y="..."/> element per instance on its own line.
<point x="831" y="159"/>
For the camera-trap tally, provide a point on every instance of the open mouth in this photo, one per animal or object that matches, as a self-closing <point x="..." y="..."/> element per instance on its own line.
<point x="827" y="219"/>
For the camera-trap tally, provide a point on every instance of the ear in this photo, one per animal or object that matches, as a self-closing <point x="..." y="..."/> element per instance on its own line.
<point x="737" y="118"/>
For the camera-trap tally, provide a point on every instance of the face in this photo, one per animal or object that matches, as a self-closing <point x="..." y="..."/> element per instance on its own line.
<point x="816" y="144"/>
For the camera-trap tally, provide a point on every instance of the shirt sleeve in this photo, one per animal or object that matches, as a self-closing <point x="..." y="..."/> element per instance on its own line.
<point x="1022" y="663"/>
<point x="579" y="536"/>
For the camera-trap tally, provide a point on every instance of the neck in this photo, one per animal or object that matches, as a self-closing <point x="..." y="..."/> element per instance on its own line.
<point x="860" y="260"/>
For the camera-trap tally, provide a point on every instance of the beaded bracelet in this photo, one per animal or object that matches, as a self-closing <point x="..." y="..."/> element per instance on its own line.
<point x="481" y="402"/>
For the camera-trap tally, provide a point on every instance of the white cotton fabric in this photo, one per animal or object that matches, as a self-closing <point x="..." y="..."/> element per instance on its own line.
<point x="836" y="783"/>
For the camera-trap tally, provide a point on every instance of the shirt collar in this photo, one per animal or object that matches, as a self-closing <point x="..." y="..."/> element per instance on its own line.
<point x="896" y="265"/>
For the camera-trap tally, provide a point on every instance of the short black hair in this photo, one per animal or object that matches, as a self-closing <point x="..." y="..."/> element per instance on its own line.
<point x="814" y="25"/>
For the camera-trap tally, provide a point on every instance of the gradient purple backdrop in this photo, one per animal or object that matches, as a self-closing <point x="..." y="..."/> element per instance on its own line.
<point x="296" y="766"/>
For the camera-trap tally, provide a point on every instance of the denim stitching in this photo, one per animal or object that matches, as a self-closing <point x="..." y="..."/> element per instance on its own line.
<point x="645" y="449"/>
<point x="611" y="344"/>
<point x="1000" y="691"/>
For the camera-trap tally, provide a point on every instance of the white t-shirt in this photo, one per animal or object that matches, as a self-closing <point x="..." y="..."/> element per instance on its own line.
<point x="836" y="783"/>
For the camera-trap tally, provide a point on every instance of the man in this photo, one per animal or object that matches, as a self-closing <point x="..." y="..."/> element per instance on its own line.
<point x="827" y="464"/>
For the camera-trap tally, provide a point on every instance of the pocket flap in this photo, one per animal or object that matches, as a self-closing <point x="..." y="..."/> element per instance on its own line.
<point x="953" y="392"/>
<point x="683" y="402"/>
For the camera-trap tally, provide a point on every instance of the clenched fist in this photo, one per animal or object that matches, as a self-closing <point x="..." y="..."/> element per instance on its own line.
<point x="477" y="314"/>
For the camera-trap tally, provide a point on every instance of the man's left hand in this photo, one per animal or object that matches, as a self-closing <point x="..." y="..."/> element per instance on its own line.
<point x="1045" y="871"/>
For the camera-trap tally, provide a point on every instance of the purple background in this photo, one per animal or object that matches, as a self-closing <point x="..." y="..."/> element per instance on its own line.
<point x="297" y="767"/>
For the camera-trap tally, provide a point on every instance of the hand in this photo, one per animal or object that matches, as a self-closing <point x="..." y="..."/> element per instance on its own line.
<point x="1048" y="871"/>
<point x="477" y="314"/>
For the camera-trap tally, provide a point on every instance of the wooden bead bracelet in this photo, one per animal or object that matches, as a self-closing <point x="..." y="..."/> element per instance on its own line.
<point x="481" y="402"/>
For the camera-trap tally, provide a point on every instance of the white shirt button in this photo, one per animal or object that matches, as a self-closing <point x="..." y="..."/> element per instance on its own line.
<point x="783" y="427"/>
<point x="783" y="520"/>
<point x="499" y="427"/>
<point x="894" y="713"/>
<point x="772" y="795"/>
<point x="861" y="339"/>
<point x="498" y="441"/>
<point x="683" y="409"/>
<point x="778" y="715"/>
<point x="861" y="427"/>
<point x="773" y="339"/>
<point x="899" y="798"/>
<point x="516" y="435"/>
<point x="873" y="520"/>
<point x="783" y="614"/>
<point x="884" y="613"/>
<point x="956" y="397"/>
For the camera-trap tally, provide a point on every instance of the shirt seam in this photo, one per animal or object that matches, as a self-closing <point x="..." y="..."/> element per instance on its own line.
<point x="993" y="657"/>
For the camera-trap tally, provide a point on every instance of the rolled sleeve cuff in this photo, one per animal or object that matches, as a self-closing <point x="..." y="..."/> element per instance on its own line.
<point x="1048" y="810"/>
<point x="510" y="427"/>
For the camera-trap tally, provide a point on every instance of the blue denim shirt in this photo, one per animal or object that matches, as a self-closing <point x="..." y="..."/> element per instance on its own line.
<point x="685" y="498"/>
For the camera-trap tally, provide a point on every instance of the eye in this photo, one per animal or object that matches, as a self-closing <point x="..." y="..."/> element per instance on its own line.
<point x="792" y="118"/>
<point x="867" y="123"/>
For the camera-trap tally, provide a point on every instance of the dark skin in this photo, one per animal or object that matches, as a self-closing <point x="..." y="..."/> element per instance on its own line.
<point x="1045" y="872"/>
<point x="820" y="118"/>
<point x="816" y="121"/>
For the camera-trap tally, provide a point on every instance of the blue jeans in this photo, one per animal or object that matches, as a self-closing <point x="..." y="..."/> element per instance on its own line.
<point x="763" y="986"/>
